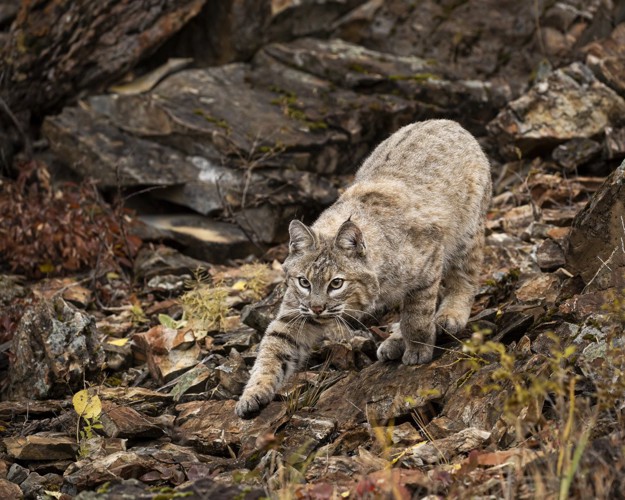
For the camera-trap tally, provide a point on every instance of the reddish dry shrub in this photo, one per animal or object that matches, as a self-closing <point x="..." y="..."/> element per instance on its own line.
<point x="48" y="231"/>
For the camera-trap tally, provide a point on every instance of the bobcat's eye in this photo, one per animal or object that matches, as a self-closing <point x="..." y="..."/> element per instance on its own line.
<point x="336" y="283"/>
<point x="303" y="282"/>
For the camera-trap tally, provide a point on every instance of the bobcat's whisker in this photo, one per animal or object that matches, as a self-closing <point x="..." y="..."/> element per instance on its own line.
<point x="356" y="320"/>
<point x="361" y="312"/>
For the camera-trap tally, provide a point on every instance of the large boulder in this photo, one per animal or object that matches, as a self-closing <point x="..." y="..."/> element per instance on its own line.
<point x="255" y="142"/>
<point x="569" y="103"/>
<point x="55" y="348"/>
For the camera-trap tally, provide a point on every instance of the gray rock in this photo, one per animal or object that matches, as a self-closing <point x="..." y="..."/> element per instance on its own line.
<point x="569" y="104"/>
<point x="35" y="484"/>
<point x="576" y="152"/>
<point x="606" y="58"/>
<point x="549" y="255"/>
<point x="17" y="473"/>
<point x="56" y="347"/>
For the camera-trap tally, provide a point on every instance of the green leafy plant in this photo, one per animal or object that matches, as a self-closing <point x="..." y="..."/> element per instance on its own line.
<point x="89" y="408"/>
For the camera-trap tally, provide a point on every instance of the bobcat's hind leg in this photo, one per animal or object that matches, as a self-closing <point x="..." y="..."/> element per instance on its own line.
<point x="460" y="286"/>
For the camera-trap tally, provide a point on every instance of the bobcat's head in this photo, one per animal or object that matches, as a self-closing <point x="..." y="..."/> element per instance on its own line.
<point x="328" y="278"/>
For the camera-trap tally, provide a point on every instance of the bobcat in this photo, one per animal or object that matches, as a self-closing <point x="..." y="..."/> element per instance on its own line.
<point x="408" y="232"/>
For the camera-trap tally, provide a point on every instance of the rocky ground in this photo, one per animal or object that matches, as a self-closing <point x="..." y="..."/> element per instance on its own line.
<point x="149" y="169"/>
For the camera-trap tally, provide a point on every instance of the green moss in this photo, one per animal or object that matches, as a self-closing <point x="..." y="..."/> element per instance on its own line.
<point x="417" y="77"/>
<point x="211" y="119"/>
<point x="358" y="68"/>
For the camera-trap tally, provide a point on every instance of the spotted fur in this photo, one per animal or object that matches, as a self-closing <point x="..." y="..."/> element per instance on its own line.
<point x="408" y="233"/>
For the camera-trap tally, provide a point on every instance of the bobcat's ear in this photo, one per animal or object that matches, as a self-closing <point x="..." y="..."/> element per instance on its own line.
<point x="350" y="238"/>
<point x="302" y="237"/>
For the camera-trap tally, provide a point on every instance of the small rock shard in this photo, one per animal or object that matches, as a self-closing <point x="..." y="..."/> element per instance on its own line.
<point x="446" y="448"/>
<point x="168" y="351"/>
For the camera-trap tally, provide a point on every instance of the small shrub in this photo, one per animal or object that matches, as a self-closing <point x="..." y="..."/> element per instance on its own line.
<point x="52" y="231"/>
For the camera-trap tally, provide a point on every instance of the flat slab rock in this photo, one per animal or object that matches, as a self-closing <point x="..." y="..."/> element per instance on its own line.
<point x="386" y="391"/>
<point x="203" y="238"/>
<point x="214" y="428"/>
<point x="41" y="447"/>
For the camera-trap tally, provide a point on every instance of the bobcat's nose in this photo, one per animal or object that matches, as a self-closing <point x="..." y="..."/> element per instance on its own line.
<point x="317" y="309"/>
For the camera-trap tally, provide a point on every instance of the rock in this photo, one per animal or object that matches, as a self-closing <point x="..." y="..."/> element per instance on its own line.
<point x="202" y="237"/>
<point x="150" y="464"/>
<point x="197" y="380"/>
<point x="235" y="30"/>
<point x="56" y="347"/>
<point x="614" y="144"/>
<point x="41" y="447"/>
<point x="98" y="446"/>
<point x="576" y="152"/>
<point x="202" y="487"/>
<point x="11" y="409"/>
<point x="302" y="435"/>
<point x="476" y="39"/>
<point x="549" y="255"/>
<point x="168" y="352"/>
<point x="241" y="339"/>
<point x="517" y="219"/>
<point x="156" y="262"/>
<point x="118" y="357"/>
<point x="595" y="248"/>
<point x="543" y="287"/>
<point x="213" y="428"/>
<point x="355" y="67"/>
<point x="125" y="422"/>
<point x="606" y="58"/>
<point x="569" y="104"/>
<point x="35" y="485"/>
<point x="233" y="373"/>
<point x="252" y="142"/>
<point x="446" y="448"/>
<point x="401" y="436"/>
<point x="17" y="473"/>
<point x="579" y="307"/>
<point x="11" y="288"/>
<point x="386" y="391"/>
<point x="86" y="46"/>
<point x="259" y="314"/>
<point x="10" y="490"/>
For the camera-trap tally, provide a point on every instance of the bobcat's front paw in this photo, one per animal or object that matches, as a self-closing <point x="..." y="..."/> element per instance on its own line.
<point x="250" y="403"/>
<point x="450" y="322"/>
<point x="418" y="355"/>
<point x="391" y="348"/>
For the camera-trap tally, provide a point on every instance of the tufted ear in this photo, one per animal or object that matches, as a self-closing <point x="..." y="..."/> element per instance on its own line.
<point x="350" y="239"/>
<point x="302" y="237"/>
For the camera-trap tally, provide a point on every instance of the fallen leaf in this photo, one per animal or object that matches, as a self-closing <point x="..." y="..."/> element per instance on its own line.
<point x="87" y="405"/>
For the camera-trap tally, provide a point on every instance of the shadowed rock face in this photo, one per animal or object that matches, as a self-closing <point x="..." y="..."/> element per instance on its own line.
<point x="596" y="249"/>
<point x="58" y="48"/>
